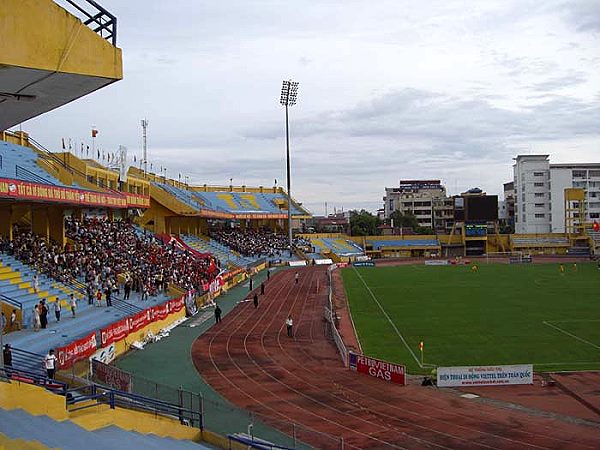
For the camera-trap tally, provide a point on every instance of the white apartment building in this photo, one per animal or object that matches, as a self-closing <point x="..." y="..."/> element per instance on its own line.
<point x="539" y="192"/>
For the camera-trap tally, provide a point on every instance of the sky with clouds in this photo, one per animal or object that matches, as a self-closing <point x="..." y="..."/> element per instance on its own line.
<point x="389" y="90"/>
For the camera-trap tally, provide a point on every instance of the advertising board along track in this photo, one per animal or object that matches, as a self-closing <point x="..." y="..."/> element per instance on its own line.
<point x="377" y="368"/>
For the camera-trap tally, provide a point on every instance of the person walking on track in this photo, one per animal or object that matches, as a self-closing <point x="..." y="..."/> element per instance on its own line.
<point x="296" y="277"/>
<point x="218" y="314"/>
<point x="289" y="323"/>
<point x="255" y="301"/>
<point x="262" y="288"/>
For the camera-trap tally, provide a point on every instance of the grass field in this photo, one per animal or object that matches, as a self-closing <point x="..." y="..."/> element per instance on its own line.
<point x="502" y="314"/>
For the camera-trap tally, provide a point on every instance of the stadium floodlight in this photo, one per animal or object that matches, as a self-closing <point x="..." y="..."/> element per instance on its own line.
<point x="289" y="94"/>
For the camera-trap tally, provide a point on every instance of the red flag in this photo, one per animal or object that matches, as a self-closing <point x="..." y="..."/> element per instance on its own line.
<point x="596" y="226"/>
<point x="94" y="132"/>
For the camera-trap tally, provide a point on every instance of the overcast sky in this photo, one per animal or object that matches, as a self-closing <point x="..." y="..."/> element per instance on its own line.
<point x="389" y="90"/>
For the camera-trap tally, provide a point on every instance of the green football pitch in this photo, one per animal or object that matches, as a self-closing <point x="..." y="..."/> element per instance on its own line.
<point x="501" y="314"/>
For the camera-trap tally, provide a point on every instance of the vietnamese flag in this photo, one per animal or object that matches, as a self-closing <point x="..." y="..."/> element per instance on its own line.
<point x="596" y="226"/>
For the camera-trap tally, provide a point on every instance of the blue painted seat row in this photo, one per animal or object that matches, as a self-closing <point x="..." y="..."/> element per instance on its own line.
<point x="67" y="435"/>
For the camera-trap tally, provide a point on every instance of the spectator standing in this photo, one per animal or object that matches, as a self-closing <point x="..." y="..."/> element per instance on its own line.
<point x="145" y="292"/>
<point x="262" y="288"/>
<point x="90" y="293"/>
<point x="50" y="364"/>
<point x="57" y="309"/>
<point x="127" y="288"/>
<point x="255" y="301"/>
<point x="108" y="295"/>
<point x="36" y="318"/>
<point x="7" y="356"/>
<point x="73" y="303"/>
<point x="36" y="283"/>
<point x="251" y="283"/>
<point x="218" y="314"/>
<point x="43" y="314"/>
<point x="14" y="323"/>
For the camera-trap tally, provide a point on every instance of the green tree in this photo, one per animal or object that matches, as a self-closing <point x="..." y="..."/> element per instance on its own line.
<point x="363" y="223"/>
<point x="407" y="220"/>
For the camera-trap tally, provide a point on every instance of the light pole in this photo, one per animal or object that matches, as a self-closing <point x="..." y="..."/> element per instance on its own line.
<point x="144" y="124"/>
<point x="289" y="93"/>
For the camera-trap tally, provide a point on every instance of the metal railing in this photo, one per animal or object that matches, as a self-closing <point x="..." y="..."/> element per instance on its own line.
<point x="331" y="319"/>
<point x="93" y="16"/>
<point x="93" y="395"/>
<point x="39" y="379"/>
<point x="214" y="409"/>
<point x="22" y="173"/>
<point x="28" y="361"/>
<point x="11" y="301"/>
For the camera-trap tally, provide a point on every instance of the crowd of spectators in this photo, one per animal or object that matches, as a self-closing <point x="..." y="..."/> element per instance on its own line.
<point x="257" y="243"/>
<point x="99" y="250"/>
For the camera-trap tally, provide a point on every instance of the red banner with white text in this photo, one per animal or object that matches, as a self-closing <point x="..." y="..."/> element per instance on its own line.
<point x="75" y="351"/>
<point x="114" y="332"/>
<point x="176" y="304"/>
<point x="377" y="368"/>
<point x="160" y="312"/>
<point x="139" y="320"/>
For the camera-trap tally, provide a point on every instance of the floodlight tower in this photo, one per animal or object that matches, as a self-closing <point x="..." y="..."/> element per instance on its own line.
<point x="144" y="124"/>
<point x="289" y="94"/>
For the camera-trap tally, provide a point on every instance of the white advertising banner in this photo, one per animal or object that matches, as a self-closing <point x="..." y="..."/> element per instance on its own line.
<point x="322" y="262"/>
<point x="296" y="263"/>
<point x="484" y="375"/>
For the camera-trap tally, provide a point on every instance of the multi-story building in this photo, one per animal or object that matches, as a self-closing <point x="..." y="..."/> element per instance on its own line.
<point x="506" y="207"/>
<point x="425" y="199"/>
<point x="539" y="189"/>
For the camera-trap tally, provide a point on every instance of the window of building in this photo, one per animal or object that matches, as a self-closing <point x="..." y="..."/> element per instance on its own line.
<point x="540" y="216"/>
<point x="594" y="173"/>
<point x="540" y="205"/>
<point x="524" y="218"/>
<point x="594" y="215"/>
<point x="538" y="174"/>
<point x="579" y="173"/>
<point x="539" y="194"/>
<point x="538" y="184"/>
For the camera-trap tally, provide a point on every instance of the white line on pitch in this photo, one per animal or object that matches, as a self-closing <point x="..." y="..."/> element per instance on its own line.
<point x="388" y="318"/>
<point x="570" y="334"/>
<point x="575" y="320"/>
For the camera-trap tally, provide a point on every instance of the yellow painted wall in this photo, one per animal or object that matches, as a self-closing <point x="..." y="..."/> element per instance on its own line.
<point x="7" y="443"/>
<point x="37" y="401"/>
<point x="39" y="34"/>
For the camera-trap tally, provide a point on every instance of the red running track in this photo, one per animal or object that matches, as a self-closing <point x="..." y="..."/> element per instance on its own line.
<point x="250" y="360"/>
